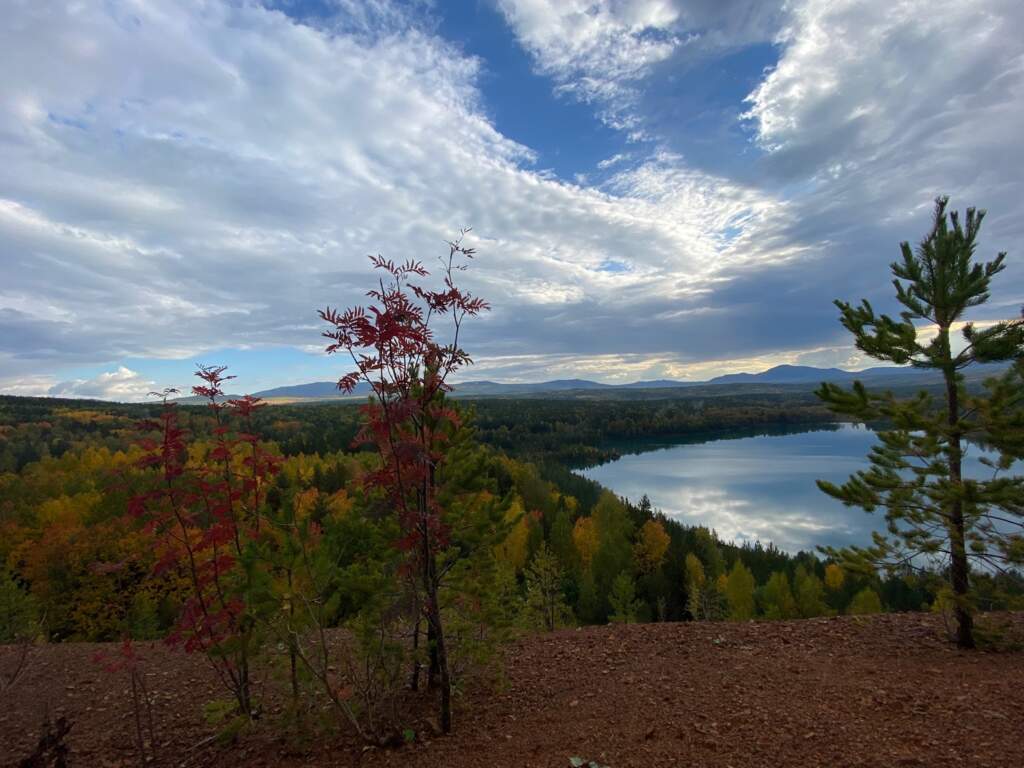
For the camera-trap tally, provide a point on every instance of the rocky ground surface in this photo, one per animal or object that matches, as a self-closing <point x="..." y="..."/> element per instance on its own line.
<point x="877" y="691"/>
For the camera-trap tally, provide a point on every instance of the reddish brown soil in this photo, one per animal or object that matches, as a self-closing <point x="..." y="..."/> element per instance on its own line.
<point x="879" y="691"/>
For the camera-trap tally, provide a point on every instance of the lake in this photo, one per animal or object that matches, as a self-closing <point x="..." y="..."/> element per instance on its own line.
<point x="751" y="487"/>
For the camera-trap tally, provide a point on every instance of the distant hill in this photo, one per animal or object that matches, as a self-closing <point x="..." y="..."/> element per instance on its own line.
<point x="881" y="375"/>
<point x="783" y="377"/>
<point x="317" y="389"/>
<point x="786" y="374"/>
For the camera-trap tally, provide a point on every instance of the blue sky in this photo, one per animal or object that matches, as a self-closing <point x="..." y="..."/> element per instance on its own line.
<point x="657" y="188"/>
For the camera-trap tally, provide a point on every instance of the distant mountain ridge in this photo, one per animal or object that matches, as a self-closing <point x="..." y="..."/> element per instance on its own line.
<point x="313" y="389"/>
<point x="780" y="374"/>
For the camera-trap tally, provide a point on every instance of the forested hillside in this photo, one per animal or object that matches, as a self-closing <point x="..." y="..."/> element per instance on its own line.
<point x="69" y="467"/>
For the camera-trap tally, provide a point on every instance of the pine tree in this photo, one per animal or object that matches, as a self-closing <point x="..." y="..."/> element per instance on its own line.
<point x="545" y="602"/>
<point x="777" y="597"/>
<point x="932" y="511"/>
<point x="17" y="611"/>
<point x="694" y="585"/>
<point x="809" y="593"/>
<point x="561" y="539"/>
<point x="614" y="552"/>
<point x="623" y="600"/>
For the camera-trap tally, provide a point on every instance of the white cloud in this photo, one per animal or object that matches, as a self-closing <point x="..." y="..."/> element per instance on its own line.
<point x="618" y="157"/>
<point x="122" y="384"/>
<point x="857" y="78"/>
<point x="595" y="49"/>
<point x="230" y="182"/>
<point x="26" y="386"/>
<point x="600" y="51"/>
<point x="877" y="107"/>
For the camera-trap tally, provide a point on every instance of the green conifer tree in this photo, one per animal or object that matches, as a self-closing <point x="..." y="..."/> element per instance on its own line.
<point x="623" y="600"/>
<point x="777" y="597"/>
<point x="809" y="592"/>
<point x="18" y="611"/>
<point x="545" y="602"/>
<point x="615" y="545"/>
<point x="561" y="538"/>
<point x="694" y="585"/>
<point x="916" y="471"/>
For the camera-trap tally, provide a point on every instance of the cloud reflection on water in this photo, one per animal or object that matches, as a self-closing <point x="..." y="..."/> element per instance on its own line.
<point x="760" y="487"/>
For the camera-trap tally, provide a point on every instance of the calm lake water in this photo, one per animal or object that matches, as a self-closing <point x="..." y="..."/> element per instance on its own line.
<point x="757" y="486"/>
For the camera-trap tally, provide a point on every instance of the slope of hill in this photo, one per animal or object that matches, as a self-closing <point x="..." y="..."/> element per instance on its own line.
<point x="884" y="690"/>
<point x="786" y="374"/>
<point x="880" y="375"/>
<point x="317" y="389"/>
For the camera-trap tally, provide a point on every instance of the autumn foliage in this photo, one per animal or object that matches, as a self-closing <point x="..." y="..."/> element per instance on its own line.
<point x="395" y="350"/>
<point x="204" y="516"/>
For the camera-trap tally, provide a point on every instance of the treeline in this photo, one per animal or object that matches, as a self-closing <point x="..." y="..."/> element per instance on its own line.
<point x="63" y="495"/>
<point x="579" y="433"/>
<point x="568" y="432"/>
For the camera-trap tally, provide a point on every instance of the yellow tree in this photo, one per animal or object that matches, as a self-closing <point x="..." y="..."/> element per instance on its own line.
<point x="695" y="586"/>
<point x="739" y="591"/>
<point x="651" y="546"/>
<point x="834" y="577"/>
<point x="585" y="539"/>
<point x="513" y="550"/>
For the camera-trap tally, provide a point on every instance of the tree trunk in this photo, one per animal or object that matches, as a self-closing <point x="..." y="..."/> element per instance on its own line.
<point x="244" y="694"/>
<point x="293" y="651"/>
<point x="959" y="573"/>
<point x="435" y="635"/>
<point x="433" y="666"/>
<point x="439" y="652"/>
<point x="414" y="677"/>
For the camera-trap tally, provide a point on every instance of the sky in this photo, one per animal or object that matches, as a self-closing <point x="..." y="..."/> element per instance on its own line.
<point x="656" y="188"/>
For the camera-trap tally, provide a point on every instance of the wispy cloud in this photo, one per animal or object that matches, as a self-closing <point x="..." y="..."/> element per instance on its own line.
<point x="596" y="50"/>
<point x="601" y="52"/>
<point x="233" y="178"/>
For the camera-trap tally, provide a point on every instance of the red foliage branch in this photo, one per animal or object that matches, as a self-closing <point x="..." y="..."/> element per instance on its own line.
<point x="394" y="350"/>
<point x="203" y="517"/>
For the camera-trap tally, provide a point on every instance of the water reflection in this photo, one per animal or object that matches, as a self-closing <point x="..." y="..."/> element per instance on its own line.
<point x="755" y="487"/>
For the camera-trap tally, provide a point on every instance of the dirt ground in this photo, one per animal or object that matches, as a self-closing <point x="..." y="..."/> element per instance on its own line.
<point x="877" y="691"/>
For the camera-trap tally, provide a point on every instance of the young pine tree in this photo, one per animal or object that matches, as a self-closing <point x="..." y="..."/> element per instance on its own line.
<point x="777" y="597"/>
<point x="916" y="475"/>
<point x="624" y="605"/>
<point x="809" y="593"/>
<point x="545" y="602"/>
